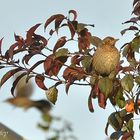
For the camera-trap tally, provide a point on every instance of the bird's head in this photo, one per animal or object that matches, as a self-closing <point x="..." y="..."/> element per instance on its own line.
<point x="110" y="41"/>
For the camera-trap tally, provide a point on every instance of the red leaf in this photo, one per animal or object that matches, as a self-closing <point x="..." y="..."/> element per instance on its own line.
<point x="83" y="44"/>
<point x="34" y="66"/>
<point x="68" y="84"/>
<point x="39" y="79"/>
<point x="30" y="33"/>
<point x="48" y="64"/>
<point x="72" y="29"/>
<point x="135" y="1"/>
<point x="0" y="44"/>
<point x="74" y="13"/>
<point x="74" y="73"/>
<point x="60" y="43"/>
<point x="101" y="100"/>
<point x="136" y="10"/>
<point x="41" y="38"/>
<point x="53" y="65"/>
<point x="16" y="82"/>
<point x="51" y="19"/>
<point x="130" y="28"/>
<point x="95" y="91"/>
<point x="19" y="40"/>
<point x="127" y="69"/>
<point x="9" y="74"/>
<point x="133" y="20"/>
<point x="10" y="52"/>
<point x="58" y="21"/>
<point x="75" y="60"/>
<point x="126" y="135"/>
<point x="90" y="105"/>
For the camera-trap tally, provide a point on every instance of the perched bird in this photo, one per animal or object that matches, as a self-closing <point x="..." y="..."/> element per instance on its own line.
<point x="106" y="57"/>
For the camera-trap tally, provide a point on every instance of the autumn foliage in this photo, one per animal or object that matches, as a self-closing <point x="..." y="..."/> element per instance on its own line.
<point x="67" y="65"/>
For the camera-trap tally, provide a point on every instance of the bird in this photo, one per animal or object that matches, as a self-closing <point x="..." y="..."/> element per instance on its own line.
<point x="106" y="57"/>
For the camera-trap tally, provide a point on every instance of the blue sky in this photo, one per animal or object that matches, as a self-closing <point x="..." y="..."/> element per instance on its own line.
<point x="18" y="16"/>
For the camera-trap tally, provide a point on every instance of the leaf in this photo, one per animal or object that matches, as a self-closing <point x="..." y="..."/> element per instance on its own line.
<point x="86" y="62"/>
<point x="9" y="74"/>
<point x="72" y="29"/>
<point x="1" y="44"/>
<point x="127" y="82"/>
<point x="30" y="33"/>
<point x="96" y="41"/>
<point x="60" y="43"/>
<point x="113" y="121"/>
<point x="51" y="19"/>
<point x="58" y="21"/>
<point x="74" y="13"/>
<point x="41" y="39"/>
<point x="75" y="60"/>
<point x="137" y="80"/>
<point x="52" y="94"/>
<point x="119" y="99"/>
<point x="135" y="1"/>
<point x="133" y="28"/>
<point x="48" y="64"/>
<point x="129" y="107"/>
<point x="73" y="73"/>
<point x="135" y="44"/>
<point x="105" y="85"/>
<point x="101" y="100"/>
<point x="80" y="27"/>
<point x="10" y="52"/>
<point x="61" y="52"/>
<point x="136" y="10"/>
<point x="133" y="20"/>
<point x="16" y="82"/>
<point x="126" y="135"/>
<point x="83" y="43"/>
<point x="90" y="104"/>
<point x="130" y="124"/>
<point x="20" y="41"/>
<point x="39" y="79"/>
<point x="116" y="135"/>
<point x="52" y="65"/>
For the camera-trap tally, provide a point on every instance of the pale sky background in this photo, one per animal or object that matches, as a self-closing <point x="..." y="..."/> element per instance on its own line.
<point x="18" y="16"/>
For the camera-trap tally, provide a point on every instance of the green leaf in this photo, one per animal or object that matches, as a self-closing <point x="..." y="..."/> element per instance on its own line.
<point x="86" y="62"/>
<point x="127" y="82"/>
<point x="80" y="26"/>
<point x="51" y="94"/>
<point x="125" y="50"/>
<point x="61" y="52"/>
<point x="119" y="99"/>
<point x="47" y="118"/>
<point x="135" y="44"/>
<point x="137" y="80"/>
<point x="105" y="85"/>
<point x="96" y="41"/>
<point x="130" y="124"/>
<point x="113" y="121"/>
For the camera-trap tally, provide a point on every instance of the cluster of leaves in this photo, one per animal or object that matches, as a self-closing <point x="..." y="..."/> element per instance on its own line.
<point x="76" y="67"/>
